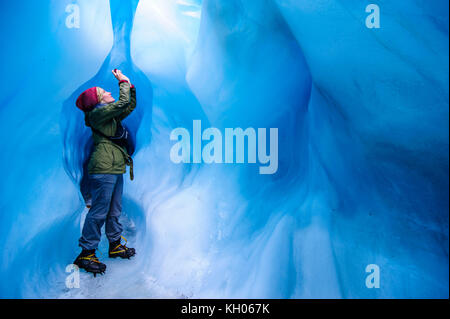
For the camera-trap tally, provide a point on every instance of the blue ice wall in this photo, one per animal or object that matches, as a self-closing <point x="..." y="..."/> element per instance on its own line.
<point x="362" y="176"/>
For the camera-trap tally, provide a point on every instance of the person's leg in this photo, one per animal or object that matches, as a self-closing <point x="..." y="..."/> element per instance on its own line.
<point x="113" y="228"/>
<point x="102" y="187"/>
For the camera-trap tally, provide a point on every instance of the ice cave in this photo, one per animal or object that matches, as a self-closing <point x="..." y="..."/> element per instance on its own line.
<point x="362" y="116"/>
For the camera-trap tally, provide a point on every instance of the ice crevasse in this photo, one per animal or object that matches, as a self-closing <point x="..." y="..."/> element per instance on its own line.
<point x="362" y="118"/>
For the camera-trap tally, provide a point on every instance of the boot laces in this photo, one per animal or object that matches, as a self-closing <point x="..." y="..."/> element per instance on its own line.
<point x="121" y="247"/>
<point x="91" y="257"/>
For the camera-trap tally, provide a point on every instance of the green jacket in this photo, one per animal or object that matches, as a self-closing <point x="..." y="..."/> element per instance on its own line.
<point x="107" y="157"/>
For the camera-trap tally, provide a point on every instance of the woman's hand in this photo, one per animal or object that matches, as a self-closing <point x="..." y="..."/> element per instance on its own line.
<point x="119" y="76"/>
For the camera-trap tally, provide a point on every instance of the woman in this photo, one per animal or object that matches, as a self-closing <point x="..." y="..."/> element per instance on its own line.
<point x="106" y="167"/>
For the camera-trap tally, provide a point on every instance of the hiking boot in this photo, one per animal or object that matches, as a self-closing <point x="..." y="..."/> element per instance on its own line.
<point x="89" y="262"/>
<point x="116" y="249"/>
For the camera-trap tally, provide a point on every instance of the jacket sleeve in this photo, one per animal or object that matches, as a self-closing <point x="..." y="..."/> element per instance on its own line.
<point x="108" y="112"/>
<point x="131" y="105"/>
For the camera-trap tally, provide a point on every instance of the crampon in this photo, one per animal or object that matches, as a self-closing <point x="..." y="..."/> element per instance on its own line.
<point x="90" y="263"/>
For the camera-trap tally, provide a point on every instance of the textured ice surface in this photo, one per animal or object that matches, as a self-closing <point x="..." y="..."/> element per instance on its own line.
<point x="363" y="147"/>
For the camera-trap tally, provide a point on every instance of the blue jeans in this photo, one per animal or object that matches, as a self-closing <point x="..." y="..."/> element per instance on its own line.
<point x="106" y="190"/>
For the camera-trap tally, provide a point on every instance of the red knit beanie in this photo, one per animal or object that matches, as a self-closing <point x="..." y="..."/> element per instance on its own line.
<point x="88" y="99"/>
